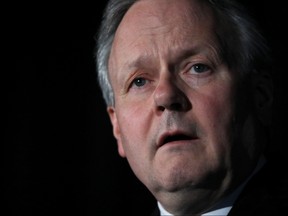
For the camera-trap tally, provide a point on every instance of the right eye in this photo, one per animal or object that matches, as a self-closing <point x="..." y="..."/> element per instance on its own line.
<point x="139" y="82"/>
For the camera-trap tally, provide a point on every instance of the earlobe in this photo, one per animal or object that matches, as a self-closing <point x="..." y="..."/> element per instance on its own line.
<point x="116" y="130"/>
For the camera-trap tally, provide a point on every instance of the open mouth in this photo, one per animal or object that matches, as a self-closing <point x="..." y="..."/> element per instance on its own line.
<point x="177" y="137"/>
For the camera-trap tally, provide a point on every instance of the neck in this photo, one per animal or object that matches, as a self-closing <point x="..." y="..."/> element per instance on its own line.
<point x="223" y="207"/>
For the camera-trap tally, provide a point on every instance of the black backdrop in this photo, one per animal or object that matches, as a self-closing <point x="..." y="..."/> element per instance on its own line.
<point x="64" y="158"/>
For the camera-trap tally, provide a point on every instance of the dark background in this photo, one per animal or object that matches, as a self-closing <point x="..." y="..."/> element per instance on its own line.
<point x="60" y="156"/>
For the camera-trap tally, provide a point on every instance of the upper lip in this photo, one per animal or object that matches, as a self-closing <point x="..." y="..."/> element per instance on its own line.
<point x="170" y="136"/>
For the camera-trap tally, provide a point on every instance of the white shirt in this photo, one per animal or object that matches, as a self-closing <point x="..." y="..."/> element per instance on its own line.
<point x="225" y="206"/>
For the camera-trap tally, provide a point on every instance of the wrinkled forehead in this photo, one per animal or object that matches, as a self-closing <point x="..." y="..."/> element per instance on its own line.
<point x="163" y="29"/>
<point x="166" y="20"/>
<point x="158" y="13"/>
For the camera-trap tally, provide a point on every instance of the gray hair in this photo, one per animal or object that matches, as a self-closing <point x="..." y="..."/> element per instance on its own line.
<point x="242" y="47"/>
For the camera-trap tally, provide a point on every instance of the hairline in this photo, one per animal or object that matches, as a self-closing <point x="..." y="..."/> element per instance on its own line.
<point x="117" y="9"/>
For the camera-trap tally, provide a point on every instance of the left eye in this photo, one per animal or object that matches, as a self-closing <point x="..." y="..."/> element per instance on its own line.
<point x="139" y="82"/>
<point x="199" y="68"/>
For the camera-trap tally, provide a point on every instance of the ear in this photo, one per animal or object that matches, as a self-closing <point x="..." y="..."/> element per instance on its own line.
<point x="116" y="130"/>
<point x="263" y="97"/>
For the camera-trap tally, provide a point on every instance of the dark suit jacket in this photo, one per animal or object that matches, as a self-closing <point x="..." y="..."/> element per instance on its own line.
<point x="265" y="194"/>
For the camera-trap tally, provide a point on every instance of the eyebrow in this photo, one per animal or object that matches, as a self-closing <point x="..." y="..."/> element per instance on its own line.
<point x="145" y="60"/>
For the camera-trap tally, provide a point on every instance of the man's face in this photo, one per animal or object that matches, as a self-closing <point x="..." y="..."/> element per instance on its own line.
<point x="175" y="100"/>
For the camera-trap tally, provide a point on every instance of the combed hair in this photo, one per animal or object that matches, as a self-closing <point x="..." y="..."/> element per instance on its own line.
<point x="242" y="46"/>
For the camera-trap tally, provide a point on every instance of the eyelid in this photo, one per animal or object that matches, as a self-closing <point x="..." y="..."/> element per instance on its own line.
<point x="191" y="66"/>
<point x="136" y="75"/>
<point x="205" y="68"/>
<point x="133" y="83"/>
<point x="129" y="80"/>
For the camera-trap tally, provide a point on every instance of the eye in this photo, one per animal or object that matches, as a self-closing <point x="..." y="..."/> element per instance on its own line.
<point x="139" y="82"/>
<point x="199" y="68"/>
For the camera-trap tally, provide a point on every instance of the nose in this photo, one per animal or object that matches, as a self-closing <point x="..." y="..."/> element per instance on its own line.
<point x="169" y="96"/>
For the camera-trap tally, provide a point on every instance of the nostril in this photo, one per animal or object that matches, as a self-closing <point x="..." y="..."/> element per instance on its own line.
<point x="168" y="96"/>
<point x="176" y="106"/>
<point x="161" y="108"/>
<point x="173" y="106"/>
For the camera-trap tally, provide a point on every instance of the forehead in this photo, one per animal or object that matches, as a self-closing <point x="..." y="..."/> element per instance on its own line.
<point x="151" y="25"/>
<point x="149" y="14"/>
<point x="155" y="15"/>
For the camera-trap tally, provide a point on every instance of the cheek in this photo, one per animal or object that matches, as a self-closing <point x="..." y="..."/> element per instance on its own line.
<point x="217" y="105"/>
<point x="215" y="112"/>
<point x="134" y="128"/>
<point x="132" y="118"/>
<point x="134" y="124"/>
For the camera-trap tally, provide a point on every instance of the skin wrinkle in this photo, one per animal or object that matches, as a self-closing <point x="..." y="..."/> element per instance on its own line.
<point x="185" y="176"/>
<point x="175" y="169"/>
<point x="161" y="26"/>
